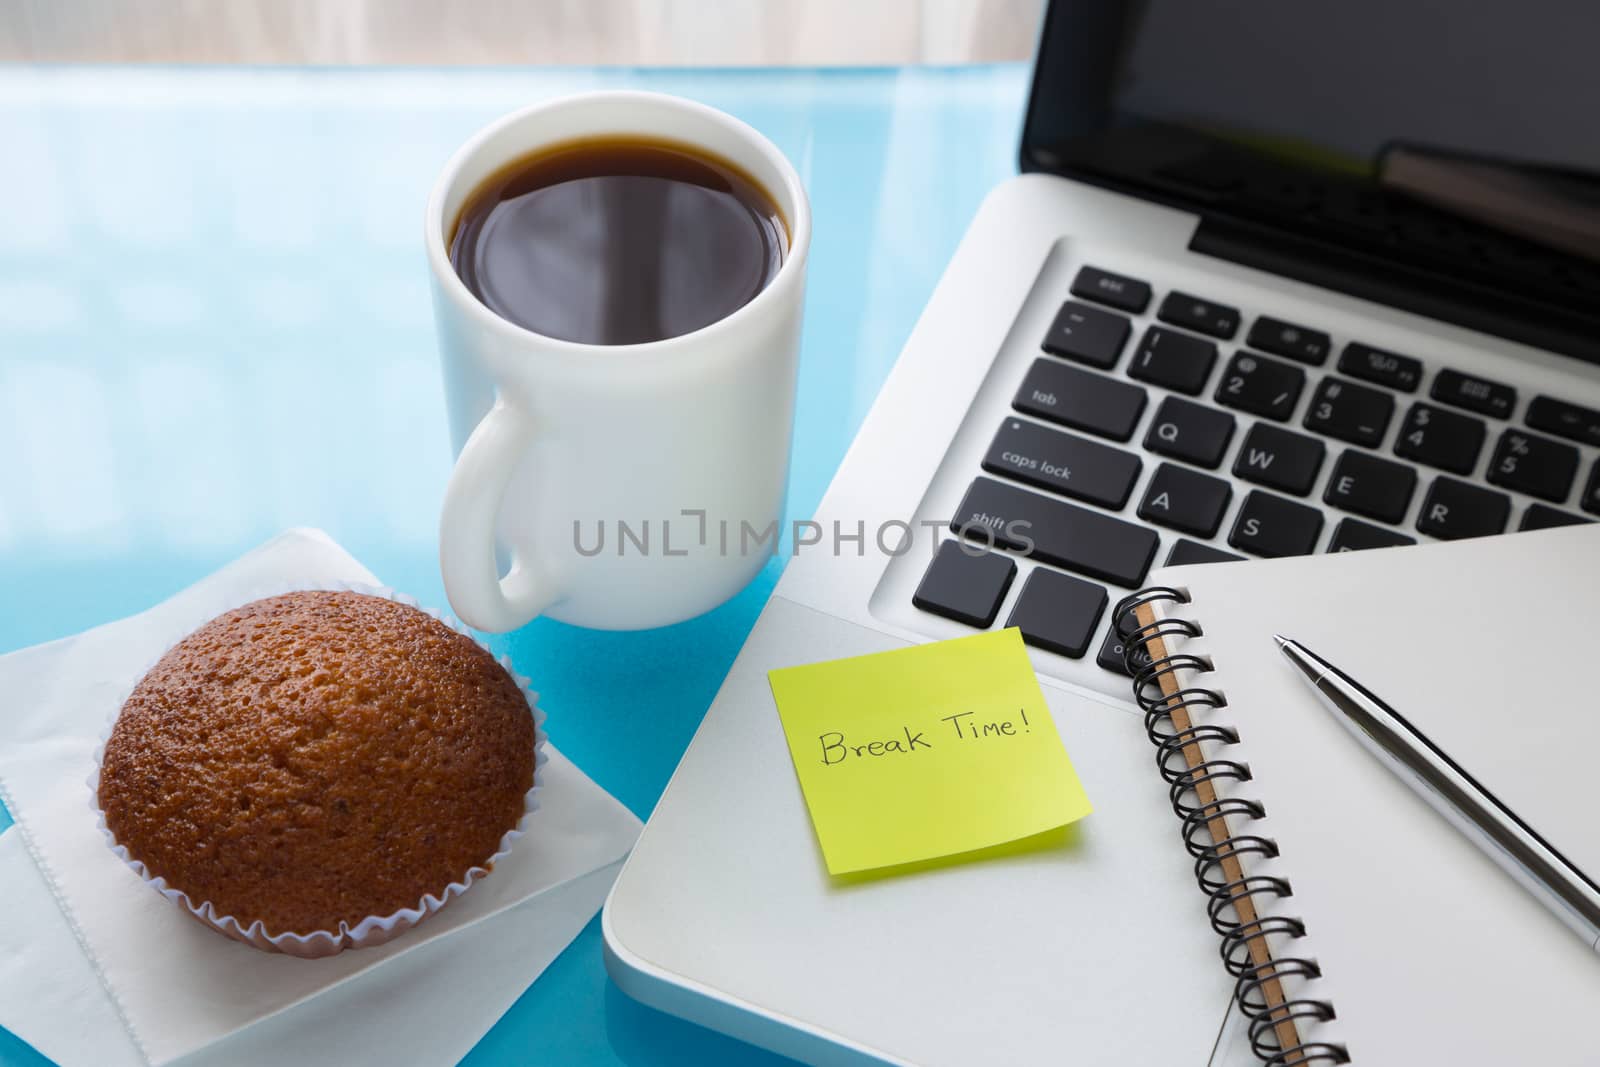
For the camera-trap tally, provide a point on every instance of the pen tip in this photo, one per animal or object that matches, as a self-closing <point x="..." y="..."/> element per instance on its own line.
<point x="1282" y="640"/>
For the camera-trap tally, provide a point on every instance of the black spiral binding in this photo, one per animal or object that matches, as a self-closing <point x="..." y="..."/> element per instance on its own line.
<point x="1223" y="893"/>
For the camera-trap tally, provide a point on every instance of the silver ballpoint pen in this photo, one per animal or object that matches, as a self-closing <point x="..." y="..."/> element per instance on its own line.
<point x="1438" y="779"/>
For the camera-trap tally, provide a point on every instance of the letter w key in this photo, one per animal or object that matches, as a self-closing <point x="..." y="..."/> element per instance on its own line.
<point x="1279" y="459"/>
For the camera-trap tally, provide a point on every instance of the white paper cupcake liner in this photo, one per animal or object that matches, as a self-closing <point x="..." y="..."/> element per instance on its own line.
<point x="373" y="929"/>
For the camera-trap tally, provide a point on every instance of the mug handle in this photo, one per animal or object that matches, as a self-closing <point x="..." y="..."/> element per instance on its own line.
<point x="472" y="501"/>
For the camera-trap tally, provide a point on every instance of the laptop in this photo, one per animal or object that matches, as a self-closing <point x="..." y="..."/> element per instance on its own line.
<point x="1273" y="280"/>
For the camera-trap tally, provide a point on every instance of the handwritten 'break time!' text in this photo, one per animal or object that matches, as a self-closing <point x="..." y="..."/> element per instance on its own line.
<point x="961" y="728"/>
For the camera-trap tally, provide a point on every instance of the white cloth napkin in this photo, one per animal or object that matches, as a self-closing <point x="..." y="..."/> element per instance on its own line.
<point x="180" y="990"/>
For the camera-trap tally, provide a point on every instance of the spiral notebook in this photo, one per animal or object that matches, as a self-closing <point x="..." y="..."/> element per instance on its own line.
<point x="1360" y="926"/>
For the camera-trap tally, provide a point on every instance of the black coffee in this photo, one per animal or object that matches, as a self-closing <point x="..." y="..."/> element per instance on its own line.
<point x="618" y="241"/>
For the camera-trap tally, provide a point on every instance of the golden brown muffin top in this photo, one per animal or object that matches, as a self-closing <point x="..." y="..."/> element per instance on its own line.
<point x="318" y="757"/>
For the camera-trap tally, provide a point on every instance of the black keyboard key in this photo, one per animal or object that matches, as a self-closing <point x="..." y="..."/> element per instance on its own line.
<point x="1350" y="412"/>
<point x="1055" y="532"/>
<point x="1279" y="459"/>
<point x="1286" y="339"/>
<point x="1590" y="500"/>
<point x="1272" y="526"/>
<point x="1201" y="316"/>
<point x="1080" y="399"/>
<point x="1352" y="535"/>
<point x="1367" y="485"/>
<point x="1185" y="500"/>
<point x="1103" y="287"/>
<point x="1564" y="420"/>
<point x="1537" y="466"/>
<point x="1383" y="368"/>
<point x="1173" y="360"/>
<point x="1544" y="517"/>
<point x="1057" y="612"/>
<point x="1185" y="552"/>
<point x="1110" y="654"/>
<point x="1185" y="430"/>
<point x="1087" y="335"/>
<point x="1063" y="463"/>
<point x="1475" y="394"/>
<point x="1440" y="438"/>
<point x="1261" y="386"/>
<point x="1455" y="509"/>
<point x="965" y="583"/>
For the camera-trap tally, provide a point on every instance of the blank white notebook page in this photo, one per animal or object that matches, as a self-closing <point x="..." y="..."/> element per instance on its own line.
<point x="1430" y="952"/>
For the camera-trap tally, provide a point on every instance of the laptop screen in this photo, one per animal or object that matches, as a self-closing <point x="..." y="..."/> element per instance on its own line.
<point x="1381" y="128"/>
<point x="1345" y="80"/>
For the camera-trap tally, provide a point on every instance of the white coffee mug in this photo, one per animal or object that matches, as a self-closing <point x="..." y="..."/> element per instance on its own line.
<point x="624" y="486"/>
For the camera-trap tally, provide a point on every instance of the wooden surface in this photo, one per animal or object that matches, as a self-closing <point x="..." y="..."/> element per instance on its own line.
<point x="1243" y="905"/>
<point x="705" y="33"/>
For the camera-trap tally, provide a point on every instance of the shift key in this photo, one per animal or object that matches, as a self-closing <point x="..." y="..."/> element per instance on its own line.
<point x="1080" y="399"/>
<point x="1055" y="532"/>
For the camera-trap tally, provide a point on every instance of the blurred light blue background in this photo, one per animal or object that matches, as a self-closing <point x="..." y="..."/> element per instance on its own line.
<point x="214" y="324"/>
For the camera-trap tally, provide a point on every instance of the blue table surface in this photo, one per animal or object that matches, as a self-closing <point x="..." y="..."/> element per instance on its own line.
<point x="214" y="324"/>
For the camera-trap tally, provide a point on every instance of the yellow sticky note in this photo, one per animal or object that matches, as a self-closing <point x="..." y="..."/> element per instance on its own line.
<point x="926" y="752"/>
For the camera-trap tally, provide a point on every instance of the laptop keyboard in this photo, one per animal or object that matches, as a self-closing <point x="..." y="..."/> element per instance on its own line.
<point x="1057" y="480"/>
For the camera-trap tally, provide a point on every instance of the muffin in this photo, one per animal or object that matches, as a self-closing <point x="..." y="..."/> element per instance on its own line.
<point x="310" y="761"/>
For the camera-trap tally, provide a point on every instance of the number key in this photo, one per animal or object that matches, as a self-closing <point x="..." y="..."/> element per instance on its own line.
<point x="1441" y="438"/>
<point x="1350" y="412"/>
<point x="1537" y="466"/>
<point x="1174" y="360"/>
<point x="1261" y="386"/>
